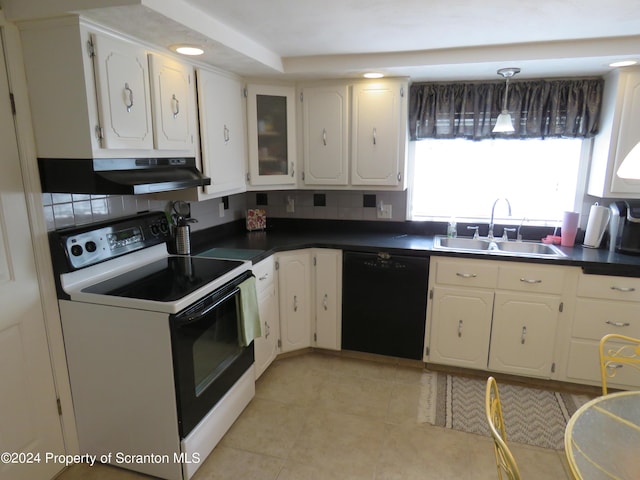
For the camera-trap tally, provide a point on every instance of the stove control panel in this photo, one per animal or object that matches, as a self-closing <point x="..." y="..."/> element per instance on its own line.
<point x="91" y="245"/>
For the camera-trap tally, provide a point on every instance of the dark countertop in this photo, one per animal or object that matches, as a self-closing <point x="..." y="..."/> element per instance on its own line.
<point x="369" y="237"/>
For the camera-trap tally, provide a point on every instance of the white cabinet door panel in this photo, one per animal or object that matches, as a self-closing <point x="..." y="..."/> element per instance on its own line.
<point x="173" y="104"/>
<point x="122" y="83"/>
<point x="461" y="327"/>
<point x="223" y="132"/>
<point x="326" y="141"/>
<point x="523" y="333"/>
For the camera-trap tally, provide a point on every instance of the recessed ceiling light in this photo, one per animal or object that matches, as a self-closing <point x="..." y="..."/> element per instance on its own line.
<point x="373" y="75"/>
<point x="191" y="50"/>
<point x="623" y="63"/>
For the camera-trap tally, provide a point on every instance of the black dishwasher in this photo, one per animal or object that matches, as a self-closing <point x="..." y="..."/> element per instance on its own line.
<point x="384" y="303"/>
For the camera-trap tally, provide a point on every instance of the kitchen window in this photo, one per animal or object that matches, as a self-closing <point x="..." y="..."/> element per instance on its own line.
<point x="462" y="178"/>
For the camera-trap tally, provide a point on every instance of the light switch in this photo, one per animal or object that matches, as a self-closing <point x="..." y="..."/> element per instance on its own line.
<point x="384" y="211"/>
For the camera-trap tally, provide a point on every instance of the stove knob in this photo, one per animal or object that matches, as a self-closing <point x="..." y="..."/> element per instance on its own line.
<point x="155" y="229"/>
<point x="76" y="250"/>
<point x="90" y="246"/>
<point x="164" y="227"/>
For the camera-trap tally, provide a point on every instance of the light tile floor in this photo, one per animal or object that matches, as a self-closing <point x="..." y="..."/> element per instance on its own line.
<point x="319" y="416"/>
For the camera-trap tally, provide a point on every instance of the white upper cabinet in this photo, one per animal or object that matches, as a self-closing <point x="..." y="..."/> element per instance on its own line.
<point x="619" y="133"/>
<point x="91" y="94"/>
<point x="271" y="135"/>
<point x="122" y="86"/>
<point x="174" y="101"/>
<point x="221" y="105"/>
<point x="378" y="139"/>
<point x="325" y="135"/>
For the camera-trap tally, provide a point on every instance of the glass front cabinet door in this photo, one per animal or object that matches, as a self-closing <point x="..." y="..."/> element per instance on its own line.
<point x="272" y="137"/>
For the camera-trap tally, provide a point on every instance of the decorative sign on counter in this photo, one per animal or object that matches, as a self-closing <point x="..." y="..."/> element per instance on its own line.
<point x="256" y="219"/>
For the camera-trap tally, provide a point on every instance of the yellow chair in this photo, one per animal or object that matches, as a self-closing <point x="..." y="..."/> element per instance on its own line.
<point x="616" y="352"/>
<point x="507" y="467"/>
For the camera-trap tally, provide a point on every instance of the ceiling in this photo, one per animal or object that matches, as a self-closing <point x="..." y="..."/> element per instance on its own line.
<point x="422" y="39"/>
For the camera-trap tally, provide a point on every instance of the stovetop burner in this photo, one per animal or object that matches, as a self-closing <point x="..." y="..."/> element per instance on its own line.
<point x="165" y="280"/>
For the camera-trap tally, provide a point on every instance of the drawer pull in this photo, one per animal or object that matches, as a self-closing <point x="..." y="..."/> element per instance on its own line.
<point x="325" y="302"/>
<point x="623" y="289"/>
<point x="617" y="324"/>
<point x="530" y="280"/>
<point x="523" y="337"/>
<point x="614" y="365"/>
<point x="466" y="275"/>
<point x="460" y="328"/>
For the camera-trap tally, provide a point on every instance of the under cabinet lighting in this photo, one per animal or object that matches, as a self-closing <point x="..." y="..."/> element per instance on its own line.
<point x="623" y="63"/>
<point x="191" y="50"/>
<point x="630" y="167"/>
<point x="373" y="75"/>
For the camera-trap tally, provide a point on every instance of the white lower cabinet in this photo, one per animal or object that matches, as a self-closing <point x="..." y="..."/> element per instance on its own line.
<point x="523" y="333"/>
<point x="500" y="316"/>
<point x="266" y="346"/>
<point x="294" y="285"/>
<point x="310" y="295"/>
<point x="327" y="270"/>
<point x="605" y="304"/>
<point x="461" y="326"/>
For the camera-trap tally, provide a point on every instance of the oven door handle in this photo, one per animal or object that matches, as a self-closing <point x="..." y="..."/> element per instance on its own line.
<point x="195" y="316"/>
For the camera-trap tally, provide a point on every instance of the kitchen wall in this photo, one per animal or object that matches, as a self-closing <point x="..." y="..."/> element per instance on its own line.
<point x="65" y="210"/>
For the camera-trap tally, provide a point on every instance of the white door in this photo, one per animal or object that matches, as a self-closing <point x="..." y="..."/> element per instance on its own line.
<point x="29" y="421"/>
<point x="523" y="334"/>
<point x="122" y="84"/>
<point x="376" y="134"/>
<point x="326" y="142"/>
<point x="221" y="105"/>
<point x="461" y="327"/>
<point x="294" y="284"/>
<point x="328" y="303"/>
<point x="174" y="101"/>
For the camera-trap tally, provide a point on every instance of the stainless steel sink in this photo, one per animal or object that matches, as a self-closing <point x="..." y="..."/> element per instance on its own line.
<point x="528" y="248"/>
<point x="497" y="247"/>
<point x="461" y="243"/>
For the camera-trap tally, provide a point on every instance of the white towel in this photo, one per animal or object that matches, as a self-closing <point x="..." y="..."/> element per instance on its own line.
<point x="249" y="321"/>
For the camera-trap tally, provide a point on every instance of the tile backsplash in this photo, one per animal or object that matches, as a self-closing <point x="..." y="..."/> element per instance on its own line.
<point x="66" y="210"/>
<point x="329" y="204"/>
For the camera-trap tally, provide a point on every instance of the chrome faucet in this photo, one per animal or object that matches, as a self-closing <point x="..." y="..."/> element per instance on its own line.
<point x="519" y="235"/>
<point x="490" y="235"/>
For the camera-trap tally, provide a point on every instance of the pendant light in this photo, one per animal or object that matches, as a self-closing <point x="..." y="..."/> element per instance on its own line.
<point x="630" y="167"/>
<point x="504" y="124"/>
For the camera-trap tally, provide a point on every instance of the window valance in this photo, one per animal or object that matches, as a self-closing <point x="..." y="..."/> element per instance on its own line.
<point x="539" y="108"/>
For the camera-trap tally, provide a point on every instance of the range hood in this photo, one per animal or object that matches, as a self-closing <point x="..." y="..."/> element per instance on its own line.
<point x="123" y="176"/>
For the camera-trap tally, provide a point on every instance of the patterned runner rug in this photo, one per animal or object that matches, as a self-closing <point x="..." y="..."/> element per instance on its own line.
<point x="532" y="416"/>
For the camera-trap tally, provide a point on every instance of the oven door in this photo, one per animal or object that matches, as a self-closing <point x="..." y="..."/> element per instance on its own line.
<point x="207" y="356"/>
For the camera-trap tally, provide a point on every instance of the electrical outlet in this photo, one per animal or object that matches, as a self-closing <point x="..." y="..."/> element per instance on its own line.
<point x="291" y="208"/>
<point x="384" y="211"/>
<point x="221" y="209"/>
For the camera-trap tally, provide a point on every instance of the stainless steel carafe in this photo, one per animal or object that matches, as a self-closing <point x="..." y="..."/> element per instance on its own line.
<point x="183" y="238"/>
